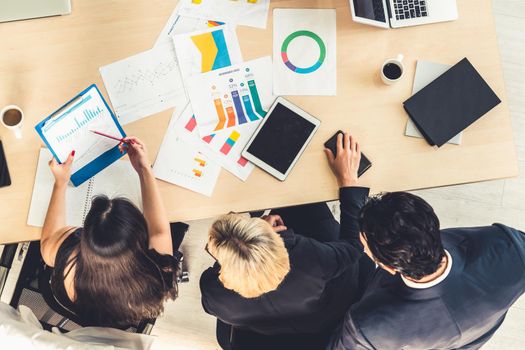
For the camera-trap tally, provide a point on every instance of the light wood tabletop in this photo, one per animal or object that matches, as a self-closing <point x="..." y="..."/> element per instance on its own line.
<point x="44" y="62"/>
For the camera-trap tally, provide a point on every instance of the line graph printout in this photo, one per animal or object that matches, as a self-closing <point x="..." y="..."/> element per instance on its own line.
<point x="232" y="96"/>
<point x="207" y="50"/>
<point x="144" y="84"/>
<point x="241" y="12"/>
<point x="220" y="147"/>
<point x="70" y="129"/>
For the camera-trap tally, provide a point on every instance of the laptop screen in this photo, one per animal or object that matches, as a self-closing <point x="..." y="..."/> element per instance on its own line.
<point x="370" y="9"/>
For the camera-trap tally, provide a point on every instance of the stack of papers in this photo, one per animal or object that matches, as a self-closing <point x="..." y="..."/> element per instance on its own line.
<point x="196" y="67"/>
<point x="197" y="61"/>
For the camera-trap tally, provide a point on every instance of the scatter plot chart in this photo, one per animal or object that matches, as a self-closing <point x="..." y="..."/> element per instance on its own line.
<point x="145" y="77"/>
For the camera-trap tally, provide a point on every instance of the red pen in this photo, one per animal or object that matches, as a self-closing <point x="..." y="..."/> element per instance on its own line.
<point x="111" y="137"/>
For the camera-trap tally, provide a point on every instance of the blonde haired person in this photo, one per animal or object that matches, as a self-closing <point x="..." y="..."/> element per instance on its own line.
<point x="248" y="247"/>
<point x="293" y="273"/>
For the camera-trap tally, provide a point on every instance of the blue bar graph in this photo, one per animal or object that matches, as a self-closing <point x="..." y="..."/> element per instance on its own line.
<point x="248" y="107"/>
<point x="238" y="107"/>
<point x="88" y="115"/>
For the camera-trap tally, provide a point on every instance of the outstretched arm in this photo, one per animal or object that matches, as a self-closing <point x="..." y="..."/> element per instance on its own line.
<point x="345" y="166"/>
<point x="54" y="230"/>
<point x="341" y="255"/>
<point x="154" y="212"/>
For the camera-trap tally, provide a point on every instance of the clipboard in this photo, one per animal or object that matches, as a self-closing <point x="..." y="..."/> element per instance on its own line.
<point x="71" y="123"/>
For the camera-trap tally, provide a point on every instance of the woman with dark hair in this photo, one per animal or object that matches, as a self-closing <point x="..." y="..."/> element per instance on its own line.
<point x="119" y="268"/>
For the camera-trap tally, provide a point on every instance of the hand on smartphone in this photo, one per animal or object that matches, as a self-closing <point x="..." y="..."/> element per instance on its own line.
<point x="345" y="162"/>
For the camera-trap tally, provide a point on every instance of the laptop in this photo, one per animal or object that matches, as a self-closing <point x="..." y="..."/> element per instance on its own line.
<point x="402" y="13"/>
<point x="14" y="10"/>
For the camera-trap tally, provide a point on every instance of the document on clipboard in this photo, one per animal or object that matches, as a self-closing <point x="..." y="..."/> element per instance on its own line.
<point x="69" y="128"/>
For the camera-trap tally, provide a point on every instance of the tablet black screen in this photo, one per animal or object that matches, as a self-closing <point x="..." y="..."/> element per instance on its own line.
<point x="281" y="138"/>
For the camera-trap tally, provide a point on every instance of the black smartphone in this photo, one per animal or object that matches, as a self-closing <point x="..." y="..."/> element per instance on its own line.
<point x="331" y="144"/>
<point x="5" y="179"/>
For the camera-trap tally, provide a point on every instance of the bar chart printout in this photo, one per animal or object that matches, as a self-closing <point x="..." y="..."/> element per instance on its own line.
<point x="231" y="97"/>
<point x="69" y="129"/>
<point x="223" y="147"/>
<point x="181" y="163"/>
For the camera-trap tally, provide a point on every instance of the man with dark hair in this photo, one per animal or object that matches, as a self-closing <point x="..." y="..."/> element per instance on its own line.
<point x="434" y="289"/>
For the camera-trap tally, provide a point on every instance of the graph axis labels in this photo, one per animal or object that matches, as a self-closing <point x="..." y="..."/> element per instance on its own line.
<point x="303" y="70"/>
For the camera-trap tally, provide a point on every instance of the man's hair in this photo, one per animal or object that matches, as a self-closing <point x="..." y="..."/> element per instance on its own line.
<point x="402" y="231"/>
<point x="252" y="256"/>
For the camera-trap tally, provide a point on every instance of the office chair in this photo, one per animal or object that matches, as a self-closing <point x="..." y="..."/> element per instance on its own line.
<point x="233" y="338"/>
<point x="32" y="289"/>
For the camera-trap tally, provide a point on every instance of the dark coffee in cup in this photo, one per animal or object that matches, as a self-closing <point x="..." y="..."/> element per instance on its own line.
<point x="12" y="117"/>
<point x="392" y="71"/>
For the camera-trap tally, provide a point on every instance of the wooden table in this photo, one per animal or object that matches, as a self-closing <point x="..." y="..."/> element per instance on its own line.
<point x="44" y="62"/>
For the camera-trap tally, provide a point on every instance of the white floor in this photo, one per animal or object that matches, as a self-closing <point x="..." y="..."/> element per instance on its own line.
<point x="186" y="326"/>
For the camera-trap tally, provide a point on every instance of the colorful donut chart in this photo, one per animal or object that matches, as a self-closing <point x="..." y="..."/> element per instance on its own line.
<point x="315" y="66"/>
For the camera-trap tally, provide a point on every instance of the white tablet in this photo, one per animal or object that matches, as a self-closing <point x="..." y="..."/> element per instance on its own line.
<point x="281" y="138"/>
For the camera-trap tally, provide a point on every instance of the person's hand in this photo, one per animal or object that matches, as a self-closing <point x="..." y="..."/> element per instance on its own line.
<point x="275" y="222"/>
<point x="137" y="152"/>
<point x="346" y="164"/>
<point x="62" y="172"/>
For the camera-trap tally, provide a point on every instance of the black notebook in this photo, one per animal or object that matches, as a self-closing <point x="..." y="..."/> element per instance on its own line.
<point x="5" y="179"/>
<point x="451" y="103"/>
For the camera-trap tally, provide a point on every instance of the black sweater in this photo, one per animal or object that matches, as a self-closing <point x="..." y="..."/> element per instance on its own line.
<point x="316" y="293"/>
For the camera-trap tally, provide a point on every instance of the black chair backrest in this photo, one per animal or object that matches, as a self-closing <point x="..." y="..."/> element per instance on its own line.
<point x="33" y="290"/>
<point x="232" y="338"/>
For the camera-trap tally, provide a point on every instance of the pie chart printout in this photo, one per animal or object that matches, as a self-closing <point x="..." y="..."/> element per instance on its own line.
<point x="304" y="52"/>
<point x="313" y="36"/>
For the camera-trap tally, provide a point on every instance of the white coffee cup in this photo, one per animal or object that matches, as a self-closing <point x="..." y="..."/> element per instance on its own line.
<point x="12" y="118"/>
<point x="392" y="70"/>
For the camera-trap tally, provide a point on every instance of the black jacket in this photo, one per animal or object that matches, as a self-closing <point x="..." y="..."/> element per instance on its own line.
<point x="320" y="287"/>
<point x="461" y="312"/>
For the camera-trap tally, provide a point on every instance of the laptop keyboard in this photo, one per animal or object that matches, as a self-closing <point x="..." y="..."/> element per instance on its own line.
<point x="405" y="9"/>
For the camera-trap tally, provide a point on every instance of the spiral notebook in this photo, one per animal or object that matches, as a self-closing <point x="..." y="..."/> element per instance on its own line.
<point x="117" y="180"/>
